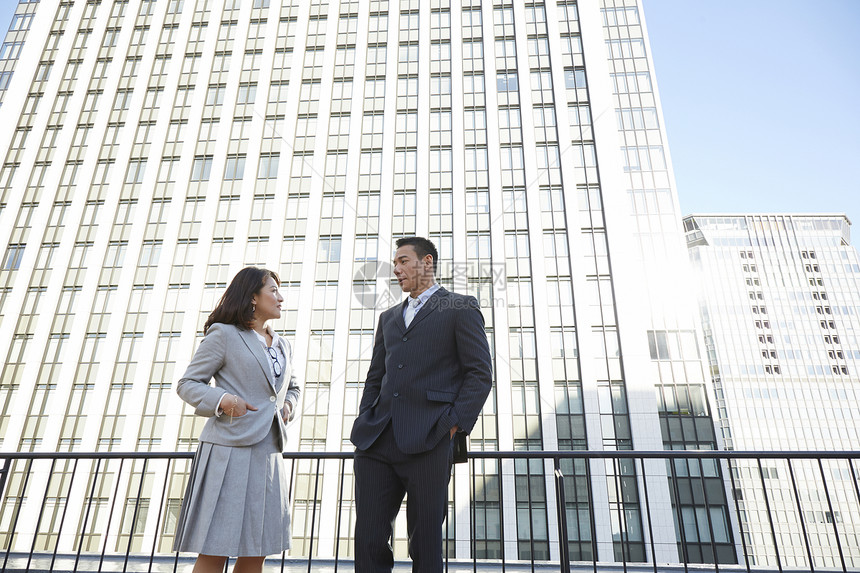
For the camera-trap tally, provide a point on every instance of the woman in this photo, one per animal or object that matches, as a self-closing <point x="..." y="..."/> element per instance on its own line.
<point x="237" y="499"/>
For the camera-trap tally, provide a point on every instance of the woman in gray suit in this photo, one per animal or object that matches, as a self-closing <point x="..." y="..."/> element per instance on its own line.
<point x="237" y="501"/>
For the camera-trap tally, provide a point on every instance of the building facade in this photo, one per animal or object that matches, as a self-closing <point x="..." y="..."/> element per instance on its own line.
<point x="155" y="147"/>
<point x="780" y="304"/>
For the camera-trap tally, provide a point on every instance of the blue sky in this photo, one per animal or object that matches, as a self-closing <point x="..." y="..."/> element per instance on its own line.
<point x="7" y="9"/>
<point x="760" y="100"/>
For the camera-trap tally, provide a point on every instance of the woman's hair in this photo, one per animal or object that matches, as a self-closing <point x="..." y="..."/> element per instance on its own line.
<point x="235" y="304"/>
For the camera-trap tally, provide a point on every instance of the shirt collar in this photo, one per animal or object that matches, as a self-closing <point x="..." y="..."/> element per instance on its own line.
<point x="427" y="293"/>
<point x="262" y="338"/>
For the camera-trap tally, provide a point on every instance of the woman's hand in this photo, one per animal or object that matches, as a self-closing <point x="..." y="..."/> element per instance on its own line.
<point x="286" y="411"/>
<point x="236" y="407"/>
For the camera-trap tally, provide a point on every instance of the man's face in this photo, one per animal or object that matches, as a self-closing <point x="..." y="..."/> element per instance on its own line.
<point x="412" y="273"/>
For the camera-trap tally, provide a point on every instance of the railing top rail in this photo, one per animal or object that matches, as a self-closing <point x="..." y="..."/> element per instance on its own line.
<point x="542" y="454"/>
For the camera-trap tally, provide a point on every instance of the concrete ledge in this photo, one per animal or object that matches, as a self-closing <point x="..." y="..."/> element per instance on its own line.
<point x="41" y="562"/>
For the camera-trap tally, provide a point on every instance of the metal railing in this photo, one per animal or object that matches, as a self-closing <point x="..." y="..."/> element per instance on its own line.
<point x="526" y="511"/>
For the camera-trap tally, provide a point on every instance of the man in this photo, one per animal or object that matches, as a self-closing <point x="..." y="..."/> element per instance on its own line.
<point x="429" y="377"/>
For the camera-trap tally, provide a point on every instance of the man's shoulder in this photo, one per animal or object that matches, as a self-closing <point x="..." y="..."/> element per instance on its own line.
<point x="457" y="295"/>
<point x="457" y="301"/>
<point x="391" y="310"/>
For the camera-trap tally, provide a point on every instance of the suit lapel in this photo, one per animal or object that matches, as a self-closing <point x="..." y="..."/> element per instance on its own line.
<point x="398" y="315"/>
<point x="286" y="368"/>
<point x="254" y="347"/>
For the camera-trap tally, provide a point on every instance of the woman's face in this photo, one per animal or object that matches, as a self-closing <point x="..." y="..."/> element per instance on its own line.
<point x="268" y="301"/>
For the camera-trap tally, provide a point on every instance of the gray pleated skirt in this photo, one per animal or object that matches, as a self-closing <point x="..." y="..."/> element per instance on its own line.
<point x="237" y="501"/>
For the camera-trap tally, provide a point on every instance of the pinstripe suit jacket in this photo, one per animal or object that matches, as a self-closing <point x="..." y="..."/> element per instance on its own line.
<point x="426" y="378"/>
<point x="240" y="365"/>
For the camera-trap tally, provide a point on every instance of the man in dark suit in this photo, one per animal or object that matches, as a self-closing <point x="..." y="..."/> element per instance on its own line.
<point x="429" y="377"/>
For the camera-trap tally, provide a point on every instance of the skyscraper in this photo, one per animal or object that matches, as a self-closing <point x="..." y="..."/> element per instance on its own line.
<point x="160" y="145"/>
<point x="780" y="297"/>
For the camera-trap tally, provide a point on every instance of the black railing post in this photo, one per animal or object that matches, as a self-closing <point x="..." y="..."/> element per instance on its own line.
<point x="563" y="545"/>
<point x="41" y="513"/>
<point x="501" y="512"/>
<point x="65" y="510"/>
<point x="769" y="516"/>
<point x="17" y="514"/>
<point x="337" y="521"/>
<point x="856" y="490"/>
<point x="4" y="473"/>
<point x="289" y="496"/>
<point x="648" y="514"/>
<point x="800" y="516"/>
<point x="708" y="513"/>
<point x="158" y="518"/>
<point x="854" y="479"/>
<point x="738" y="512"/>
<point x="678" y="511"/>
<point x="87" y="514"/>
<point x="473" y="514"/>
<point x="592" y="520"/>
<point x="176" y="553"/>
<point x="832" y="514"/>
<point x="110" y="513"/>
<point x="622" y="515"/>
<point x="314" y="515"/>
<point x="134" y="514"/>
<point x="531" y="516"/>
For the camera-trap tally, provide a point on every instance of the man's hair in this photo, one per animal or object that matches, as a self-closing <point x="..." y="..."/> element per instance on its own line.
<point x="423" y="247"/>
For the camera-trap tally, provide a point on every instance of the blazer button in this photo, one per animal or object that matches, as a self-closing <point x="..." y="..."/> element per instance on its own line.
<point x="396" y="394"/>
<point x="405" y="339"/>
<point x="271" y="398"/>
<point x="399" y="366"/>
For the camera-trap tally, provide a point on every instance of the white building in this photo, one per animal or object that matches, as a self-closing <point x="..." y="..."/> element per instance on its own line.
<point x="155" y="147"/>
<point x="780" y="303"/>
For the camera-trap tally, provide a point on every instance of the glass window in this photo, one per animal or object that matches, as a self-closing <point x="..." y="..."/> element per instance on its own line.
<point x="43" y="71"/>
<point x="576" y="79"/>
<point x="215" y="95"/>
<point x="235" y="168"/>
<point x="21" y="22"/>
<point x="122" y="100"/>
<point x="136" y="168"/>
<point x="12" y="260"/>
<point x="10" y="50"/>
<point x="507" y="82"/>
<point x="269" y="166"/>
<point x="201" y="167"/>
<point x="247" y="93"/>
<point x="329" y="250"/>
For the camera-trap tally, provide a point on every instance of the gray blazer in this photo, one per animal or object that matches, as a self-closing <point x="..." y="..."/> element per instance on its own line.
<point x="240" y="365"/>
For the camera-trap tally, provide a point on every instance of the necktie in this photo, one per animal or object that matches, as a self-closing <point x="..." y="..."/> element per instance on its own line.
<point x="411" y="309"/>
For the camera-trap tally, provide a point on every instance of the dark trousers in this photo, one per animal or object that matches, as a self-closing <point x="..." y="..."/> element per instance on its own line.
<point x="383" y="475"/>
